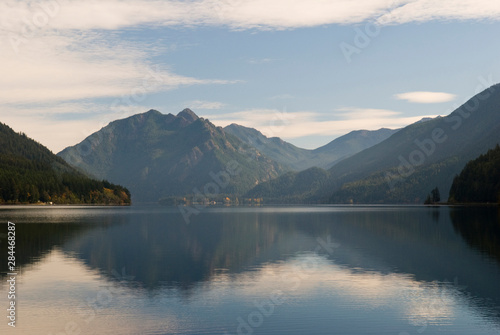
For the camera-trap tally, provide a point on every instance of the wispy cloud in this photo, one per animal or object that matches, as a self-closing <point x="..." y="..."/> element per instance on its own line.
<point x="61" y="50"/>
<point x="429" y="10"/>
<point x="57" y="67"/>
<point x="212" y="105"/>
<point x="291" y="125"/>
<point x="422" y="97"/>
<point x="58" y="54"/>
<point x="57" y="125"/>
<point x="64" y="50"/>
<point x="352" y="113"/>
<point x="238" y="14"/>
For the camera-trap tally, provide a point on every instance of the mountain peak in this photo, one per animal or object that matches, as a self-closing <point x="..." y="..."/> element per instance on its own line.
<point x="188" y="115"/>
<point x="153" y="112"/>
<point x="169" y="156"/>
<point x="425" y="119"/>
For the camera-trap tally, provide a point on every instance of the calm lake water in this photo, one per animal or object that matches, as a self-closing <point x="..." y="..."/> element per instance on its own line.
<point x="269" y="270"/>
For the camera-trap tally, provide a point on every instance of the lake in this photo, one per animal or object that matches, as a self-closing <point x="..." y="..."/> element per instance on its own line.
<point x="254" y="270"/>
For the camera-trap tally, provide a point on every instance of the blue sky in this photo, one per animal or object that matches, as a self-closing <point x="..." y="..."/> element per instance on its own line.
<point x="306" y="71"/>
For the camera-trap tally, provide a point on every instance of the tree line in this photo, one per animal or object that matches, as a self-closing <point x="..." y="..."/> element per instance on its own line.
<point x="24" y="181"/>
<point x="479" y="181"/>
<point x="30" y="173"/>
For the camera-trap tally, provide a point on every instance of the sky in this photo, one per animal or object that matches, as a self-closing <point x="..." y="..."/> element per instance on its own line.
<point x="307" y="71"/>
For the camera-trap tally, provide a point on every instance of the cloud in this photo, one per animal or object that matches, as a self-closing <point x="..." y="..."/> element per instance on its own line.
<point x="62" y="67"/>
<point x="292" y="125"/>
<point x="58" y="54"/>
<point x="61" y="50"/>
<point x="422" y="301"/>
<point x="352" y="113"/>
<point x="237" y="14"/>
<point x="55" y="135"/>
<point x="58" y="125"/>
<point x="198" y="104"/>
<point x="425" y="97"/>
<point x="429" y="10"/>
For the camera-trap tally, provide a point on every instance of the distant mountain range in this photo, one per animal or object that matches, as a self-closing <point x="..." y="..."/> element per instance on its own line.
<point x="299" y="159"/>
<point x="162" y="156"/>
<point x="159" y="155"/>
<point x="405" y="167"/>
<point x="31" y="173"/>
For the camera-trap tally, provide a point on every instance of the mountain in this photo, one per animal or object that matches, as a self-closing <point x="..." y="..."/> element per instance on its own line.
<point x="413" y="161"/>
<point x="479" y="181"/>
<point x="283" y="152"/>
<point x="350" y="144"/>
<point x="157" y="155"/>
<point x="299" y="159"/>
<point x="31" y="173"/>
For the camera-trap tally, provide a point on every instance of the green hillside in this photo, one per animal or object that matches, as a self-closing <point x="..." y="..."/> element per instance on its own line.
<point x="283" y="152"/>
<point x="292" y="187"/>
<point x="30" y="173"/>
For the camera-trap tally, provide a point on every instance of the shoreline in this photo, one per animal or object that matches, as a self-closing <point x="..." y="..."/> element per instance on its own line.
<point x="64" y="205"/>
<point x="465" y="204"/>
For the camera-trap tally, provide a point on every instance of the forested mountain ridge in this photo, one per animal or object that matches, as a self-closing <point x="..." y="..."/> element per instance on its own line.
<point x="292" y="187"/>
<point x="405" y="167"/>
<point x="408" y="165"/>
<point x="164" y="155"/>
<point x="479" y="181"/>
<point x="281" y="151"/>
<point x="31" y="173"/>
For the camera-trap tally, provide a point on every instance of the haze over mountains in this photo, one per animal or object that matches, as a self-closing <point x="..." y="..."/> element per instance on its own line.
<point x="300" y="159"/>
<point x="408" y="165"/>
<point x="160" y="156"/>
<point x="157" y="155"/>
<point x="422" y="156"/>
